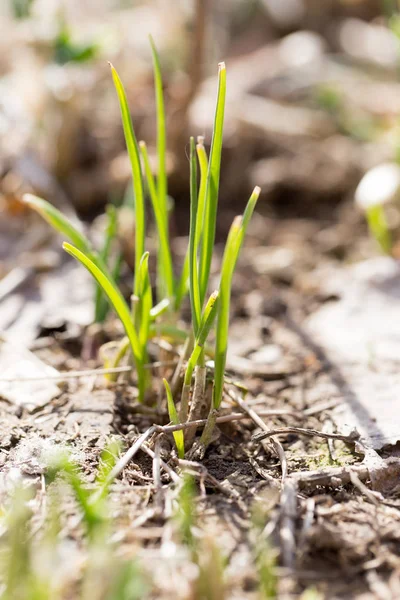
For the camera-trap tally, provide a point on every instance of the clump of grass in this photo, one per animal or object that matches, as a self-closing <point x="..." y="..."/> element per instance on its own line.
<point x="141" y="320"/>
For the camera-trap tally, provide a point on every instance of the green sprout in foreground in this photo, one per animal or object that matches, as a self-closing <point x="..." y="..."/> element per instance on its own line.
<point x="140" y="319"/>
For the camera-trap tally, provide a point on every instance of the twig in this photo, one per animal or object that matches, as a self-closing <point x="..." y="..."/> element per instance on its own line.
<point x="350" y="439"/>
<point x="258" y="421"/>
<point x="85" y="373"/>
<point x="221" y="419"/>
<point x="203" y="471"/>
<point x="372" y="496"/>
<point x="174" y="477"/>
<point x="157" y="477"/>
<point x="127" y="457"/>
<point x="289" y="514"/>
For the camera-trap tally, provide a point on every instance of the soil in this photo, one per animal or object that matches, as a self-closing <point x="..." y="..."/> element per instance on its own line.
<point x="346" y="544"/>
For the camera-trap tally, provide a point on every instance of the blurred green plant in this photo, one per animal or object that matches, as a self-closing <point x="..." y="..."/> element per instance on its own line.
<point x="31" y="558"/>
<point x="209" y="583"/>
<point x="21" y="9"/>
<point x="67" y="50"/>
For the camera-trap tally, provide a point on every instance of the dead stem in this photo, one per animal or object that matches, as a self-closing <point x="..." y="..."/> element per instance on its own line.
<point x="184" y="408"/>
<point x="288" y="519"/>
<point x="202" y="472"/>
<point x="221" y="419"/>
<point x="127" y="457"/>
<point x="86" y="372"/>
<point x="159" y="502"/>
<point x="199" y="406"/>
<point x="173" y="476"/>
<point x="258" y="421"/>
<point x="179" y="367"/>
<point x="350" y="439"/>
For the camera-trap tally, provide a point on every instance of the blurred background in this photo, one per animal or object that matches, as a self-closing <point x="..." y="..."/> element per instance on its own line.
<point x="312" y="104"/>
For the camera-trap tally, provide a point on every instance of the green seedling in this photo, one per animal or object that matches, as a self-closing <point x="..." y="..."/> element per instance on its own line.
<point x="142" y="320"/>
<point x="121" y="308"/>
<point x="231" y="254"/>
<point x="65" y="227"/>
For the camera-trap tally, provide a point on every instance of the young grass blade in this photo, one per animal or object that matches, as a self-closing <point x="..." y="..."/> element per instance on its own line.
<point x="209" y="314"/>
<point x="248" y="212"/>
<point x="120" y="306"/>
<point x="161" y="133"/>
<point x="173" y="415"/>
<point x="145" y="301"/>
<point x="213" y="174"/>
<point x="133" y="151"/>
<point x="203" y="162"/>
<point x="221" y="340"/>
<point x="101" y="304"/>
<point x="164" y="271"/>
<point x="231" y="254"/>
<point x="182" y="286"/>
<point x="193" y="272"/>
<point x="57" y="220"/>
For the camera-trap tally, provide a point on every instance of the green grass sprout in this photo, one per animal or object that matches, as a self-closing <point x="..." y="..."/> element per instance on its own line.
<point x="143" y="320"/>
<point x="101" y="304"/>
<point x="232" y="249"/>
<point x="161" y="132"/>
<point x="165" y="272"/>
<point x="134" y="157"/>
<point x="56" y="219"/>
<point x="195" y="300"/>
<point x="213" y="175"/>
<point x="173" y="415"/>
<point x="120" y="306"/>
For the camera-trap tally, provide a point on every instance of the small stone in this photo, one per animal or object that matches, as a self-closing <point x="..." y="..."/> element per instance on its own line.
<point x="380" y="185"/>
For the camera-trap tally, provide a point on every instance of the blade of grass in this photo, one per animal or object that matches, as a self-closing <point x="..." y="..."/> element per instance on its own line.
<point x="213" y="175"/>
<point x="231" y="254"/>
<point x="134" y="156"/>
<point x="60" y="223"/>
<point x="223" y="311"/>
<point x="193" y="272"/>
<point x="164" y="271"/>
<point x="182" y="287"/>
<point x="161" y="133"/>
<point x="56" y="219"/>
<point x="120" y="306"/>
<point x="173" y="415"/>
<point x="145" y="302"/>
<point x="203" y="163"/>
<point x="101" y="305"/>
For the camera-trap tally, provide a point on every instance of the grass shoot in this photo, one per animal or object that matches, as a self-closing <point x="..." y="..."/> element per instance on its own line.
<point x="142" y="320"/>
